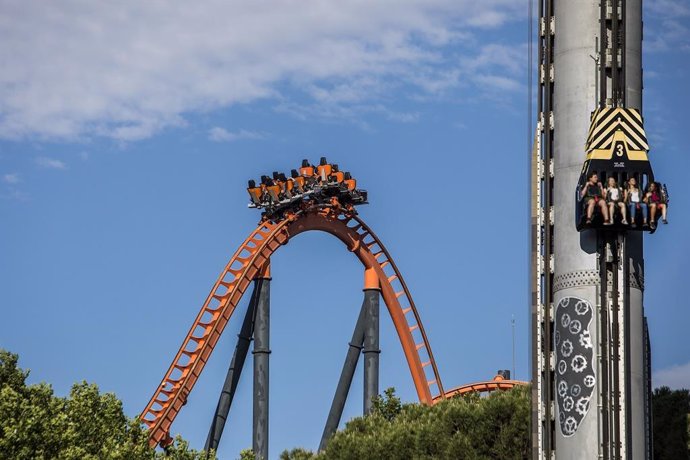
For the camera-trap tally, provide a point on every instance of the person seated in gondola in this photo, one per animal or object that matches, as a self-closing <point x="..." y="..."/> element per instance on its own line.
<point x="614" y="198"/>
<point x="655" y="200"/>
<point x="635" y="201"/>
<point x="593" y="194"/>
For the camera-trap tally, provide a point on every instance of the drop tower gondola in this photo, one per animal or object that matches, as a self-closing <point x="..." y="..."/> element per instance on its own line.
<point x="617" y="148"/>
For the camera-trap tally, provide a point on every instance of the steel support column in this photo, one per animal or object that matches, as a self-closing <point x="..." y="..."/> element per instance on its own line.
<point x="261" y="353"/>
<point x="234" y="371"/>
<point x="371" y="338"/>
<point x="543" y="245"/>
<point x="343" y="388"/>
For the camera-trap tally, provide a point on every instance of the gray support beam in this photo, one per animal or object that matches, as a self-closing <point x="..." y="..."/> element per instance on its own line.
<point x="343" y="388"/>
<point x="261" y="353"/>
<point x="649" y="437"/>
<point x="233" y="376"/>
<point x="371" y="348"/>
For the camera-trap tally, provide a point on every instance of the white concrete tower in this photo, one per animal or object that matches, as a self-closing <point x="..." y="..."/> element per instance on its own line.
<point x="588" y="337"/>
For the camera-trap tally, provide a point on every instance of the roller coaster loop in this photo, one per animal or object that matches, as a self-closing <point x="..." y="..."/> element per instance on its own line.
<point x="247" y="264"/>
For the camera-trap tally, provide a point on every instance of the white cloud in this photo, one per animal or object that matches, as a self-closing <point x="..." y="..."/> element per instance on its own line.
<point x="667" y="30"/>
<point x="675" y="377"/>
<point x="129" y="69"/>
<point x="218" y="134"/>
<point x="50" y="163"/>
<point x="498" y="82"/>
<point x="349" y="113"/>
<point x="402" y="117"/>
<point x="11" y="179"/>
<point x="512" y="59"/>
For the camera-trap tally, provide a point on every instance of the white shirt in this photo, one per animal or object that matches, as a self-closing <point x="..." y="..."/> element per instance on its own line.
<point x="614" y="194"/>
<point x="635" y="196"/>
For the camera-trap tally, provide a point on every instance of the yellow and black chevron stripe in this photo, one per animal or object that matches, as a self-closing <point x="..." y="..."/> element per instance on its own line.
<point x="612" y="126"/>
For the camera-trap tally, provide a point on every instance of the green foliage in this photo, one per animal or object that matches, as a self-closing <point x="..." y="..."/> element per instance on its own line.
<point x="467" y="427"/>
<point x="86" y="425"/>
<point x="10" y="374"/>
<point x="297" y="454"/>
<point x="247" y="454"/>
<point x="670" y="423"/>
<point x="387" y="406"/>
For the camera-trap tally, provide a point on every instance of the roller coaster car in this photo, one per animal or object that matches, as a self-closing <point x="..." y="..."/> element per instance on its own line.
<point x="616" y="147"/>
<point x="310" y="186"/>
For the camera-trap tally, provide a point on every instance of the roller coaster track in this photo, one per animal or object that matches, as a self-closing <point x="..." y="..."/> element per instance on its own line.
<point x="480" y="387"/>
<point x="247" y="264"/>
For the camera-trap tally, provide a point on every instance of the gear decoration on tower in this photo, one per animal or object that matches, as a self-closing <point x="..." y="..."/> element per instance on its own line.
<point x="586" y="340"/>
<point x="567" y="348"/>
<point x="575" y="377"/>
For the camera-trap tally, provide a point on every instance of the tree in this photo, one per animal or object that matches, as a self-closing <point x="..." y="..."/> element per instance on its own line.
<point x="86" y="425"/>
<point x="297" y="454"/>
<point x="469" y="427"/>
<point x="247" y="454"/>
<point x="387" y="406"/>
<point x="670" y="423"/>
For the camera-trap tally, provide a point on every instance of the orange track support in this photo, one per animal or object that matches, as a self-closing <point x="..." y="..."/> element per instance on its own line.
<point x="248" y="263"/>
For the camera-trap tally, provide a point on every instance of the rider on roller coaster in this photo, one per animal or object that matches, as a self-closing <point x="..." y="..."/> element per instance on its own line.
<point x="322" y="185"/>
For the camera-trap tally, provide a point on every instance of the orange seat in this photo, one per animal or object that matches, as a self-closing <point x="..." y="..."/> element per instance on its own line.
<point x="255" y="194"/>
<point x="323" y="171"/>
<point x="337" y="176"/>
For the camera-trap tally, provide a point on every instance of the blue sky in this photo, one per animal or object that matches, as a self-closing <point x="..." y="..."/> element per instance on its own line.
<point x="127" y="134"/>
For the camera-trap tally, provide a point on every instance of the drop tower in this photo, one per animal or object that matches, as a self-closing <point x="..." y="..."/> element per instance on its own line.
<point x="590" y="345"/>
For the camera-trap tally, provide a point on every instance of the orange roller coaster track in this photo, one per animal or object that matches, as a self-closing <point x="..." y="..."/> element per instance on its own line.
<point x="247" y="264"/>
<point x="480" y="387"/>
